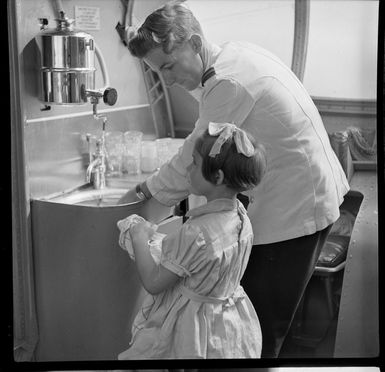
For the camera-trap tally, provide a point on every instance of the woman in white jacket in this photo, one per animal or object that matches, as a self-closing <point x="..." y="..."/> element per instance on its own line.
<point x="295" y="205"/>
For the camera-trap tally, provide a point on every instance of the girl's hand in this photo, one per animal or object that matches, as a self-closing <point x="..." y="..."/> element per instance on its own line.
<point x="142" y="230"/>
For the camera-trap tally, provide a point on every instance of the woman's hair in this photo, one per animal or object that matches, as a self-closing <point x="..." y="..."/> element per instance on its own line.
<point x="172" y="25"/>
<point x="241" y="173"/>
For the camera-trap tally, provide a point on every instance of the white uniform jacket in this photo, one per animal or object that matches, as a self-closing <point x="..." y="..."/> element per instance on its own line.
<point x="304" y="183"/>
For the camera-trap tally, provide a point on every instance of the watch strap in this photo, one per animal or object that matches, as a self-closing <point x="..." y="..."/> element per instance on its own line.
<point x="142" y="192"/>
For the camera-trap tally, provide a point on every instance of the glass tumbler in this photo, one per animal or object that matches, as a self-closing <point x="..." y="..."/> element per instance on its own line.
<point x="114" y="147"/>
<point x="132" y="151"/>
<point x="149" y="157"/>
<point x="163" y="146"/>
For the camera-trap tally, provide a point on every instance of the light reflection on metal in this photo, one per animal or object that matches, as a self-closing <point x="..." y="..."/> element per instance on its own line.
<point x="301" y="32"/>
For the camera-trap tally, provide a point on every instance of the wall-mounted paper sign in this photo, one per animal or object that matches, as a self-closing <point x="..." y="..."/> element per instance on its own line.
<point x="87" y="18"/>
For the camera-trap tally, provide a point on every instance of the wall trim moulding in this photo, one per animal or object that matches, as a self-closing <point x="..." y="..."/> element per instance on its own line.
<point x="85" y="113"/>
<point x="346" y="106"/>
<point x="25" y="328"/>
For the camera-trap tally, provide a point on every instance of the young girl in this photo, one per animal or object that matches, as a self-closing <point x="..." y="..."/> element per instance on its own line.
<point x="196" y="307"/>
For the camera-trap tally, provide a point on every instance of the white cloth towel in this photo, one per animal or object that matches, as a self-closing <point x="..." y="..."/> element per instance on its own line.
<point x="125" y="242"/>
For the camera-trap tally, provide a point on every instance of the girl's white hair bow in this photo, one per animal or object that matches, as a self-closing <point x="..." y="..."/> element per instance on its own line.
<point x="226" y="131"/>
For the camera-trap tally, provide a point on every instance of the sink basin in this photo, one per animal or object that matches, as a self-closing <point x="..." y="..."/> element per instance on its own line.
<point x="92" y="198"/>
<point x="87" y="289"/>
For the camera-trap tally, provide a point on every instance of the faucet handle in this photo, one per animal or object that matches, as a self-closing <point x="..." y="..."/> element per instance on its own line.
<point x="110" y="96"/>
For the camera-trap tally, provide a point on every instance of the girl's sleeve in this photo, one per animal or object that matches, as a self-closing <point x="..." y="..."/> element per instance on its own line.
<point x="183" y="252"/>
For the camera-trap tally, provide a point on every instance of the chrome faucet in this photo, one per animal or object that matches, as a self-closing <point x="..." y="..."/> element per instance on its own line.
<point x="96" y="170"/>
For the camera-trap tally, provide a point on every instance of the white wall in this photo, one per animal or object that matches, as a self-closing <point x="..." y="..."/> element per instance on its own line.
<point x="342" y="49"/>
<point x="267" y="23"/>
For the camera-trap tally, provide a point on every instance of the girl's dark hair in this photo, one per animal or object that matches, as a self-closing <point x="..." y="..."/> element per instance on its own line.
<point x="241" y="173"/>
<point x="172" y="25"/>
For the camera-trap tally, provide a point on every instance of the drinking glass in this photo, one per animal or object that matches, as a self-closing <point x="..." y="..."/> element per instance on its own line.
<point x="115" y="149"/>
<point x="163" y="150"/>
<point x="132" y="151"/>
<point x="149" y="157"/>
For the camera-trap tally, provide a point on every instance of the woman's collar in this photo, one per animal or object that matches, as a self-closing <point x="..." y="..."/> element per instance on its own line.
<point x="209" y="54"/>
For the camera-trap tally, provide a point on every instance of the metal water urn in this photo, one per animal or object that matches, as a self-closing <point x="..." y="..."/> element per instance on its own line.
<point x="67" y="63"/>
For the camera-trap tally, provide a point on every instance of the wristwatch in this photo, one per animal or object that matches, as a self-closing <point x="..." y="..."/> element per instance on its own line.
<point x="139" y="193"/>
